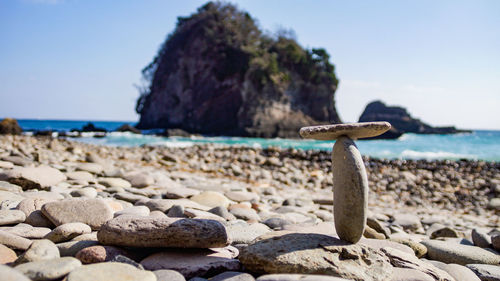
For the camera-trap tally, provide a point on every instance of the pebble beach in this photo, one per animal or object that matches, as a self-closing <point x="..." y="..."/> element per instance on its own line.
<point x="77" y="211"/>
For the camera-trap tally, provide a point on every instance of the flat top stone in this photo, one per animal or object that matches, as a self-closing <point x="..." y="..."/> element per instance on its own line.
<point x="352" y="130"/>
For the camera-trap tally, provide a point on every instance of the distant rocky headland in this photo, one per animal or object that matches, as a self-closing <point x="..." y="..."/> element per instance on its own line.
<point x="217" y="73"/>
<point x="401" y="121"/>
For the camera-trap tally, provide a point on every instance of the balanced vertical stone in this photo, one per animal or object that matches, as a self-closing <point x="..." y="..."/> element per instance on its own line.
<point x="350" y="182"/>
<point x="350" y="189"/>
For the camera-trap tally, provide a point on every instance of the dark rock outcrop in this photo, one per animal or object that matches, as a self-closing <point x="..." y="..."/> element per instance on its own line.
<point x="128" y="128"/>
<point x="401" y="121"/>
<point x="90" y="127"/>
<point x="218" y="74"/>
<point x="9" y="126"/>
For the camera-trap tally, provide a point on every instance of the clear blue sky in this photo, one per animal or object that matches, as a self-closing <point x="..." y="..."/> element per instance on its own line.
<point x="79" y="59"/>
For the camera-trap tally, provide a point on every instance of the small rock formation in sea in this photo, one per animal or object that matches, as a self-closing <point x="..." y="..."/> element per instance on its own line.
<point x="9" y="126"/>
<point x="128" y="128"/>
<point x="217" y="73"/>
<point x="90" y="127"/>
<point x="401" y="121"/>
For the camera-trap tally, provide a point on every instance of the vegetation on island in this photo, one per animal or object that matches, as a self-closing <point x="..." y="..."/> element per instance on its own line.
<point x="219" y="52"/>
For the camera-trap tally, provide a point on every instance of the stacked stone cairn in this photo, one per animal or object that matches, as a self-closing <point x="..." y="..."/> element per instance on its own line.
<point x="79" y="212"/>
<point x="350" y="181"/>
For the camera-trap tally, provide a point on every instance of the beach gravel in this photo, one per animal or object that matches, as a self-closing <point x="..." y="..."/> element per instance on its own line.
<point x="195" y="215"/>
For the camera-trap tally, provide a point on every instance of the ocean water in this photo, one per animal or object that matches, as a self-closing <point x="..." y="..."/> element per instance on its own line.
<point x="67" y="125"/>
<point x="478" y="145"/>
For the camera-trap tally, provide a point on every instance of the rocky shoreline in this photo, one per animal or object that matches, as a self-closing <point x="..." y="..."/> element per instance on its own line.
<point x="87" y="212"/>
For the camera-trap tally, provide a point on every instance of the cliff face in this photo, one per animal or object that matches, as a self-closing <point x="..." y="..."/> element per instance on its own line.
<point x="218" y="74"/>
<point x="401" y="121"/>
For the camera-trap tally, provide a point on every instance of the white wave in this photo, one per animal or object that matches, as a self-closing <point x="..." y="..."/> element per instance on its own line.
<point x="385" y="152"/>
<point x="412" y="154"/>
<point x="179" y="144"/>
<point x="87" y="134"/>
<point x="406" y="137"/>
<point x="256" y="145"/>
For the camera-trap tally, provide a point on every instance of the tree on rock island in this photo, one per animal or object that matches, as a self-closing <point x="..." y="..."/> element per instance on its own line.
<point x="217" y="73"/>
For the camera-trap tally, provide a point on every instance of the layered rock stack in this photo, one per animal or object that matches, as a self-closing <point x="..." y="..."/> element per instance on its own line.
<point x="72" y="211"/>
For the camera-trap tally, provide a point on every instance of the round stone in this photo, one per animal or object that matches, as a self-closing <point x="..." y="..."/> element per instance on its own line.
<point x="352" y="130"/>
<point x="168" y="275"/>
<point x="14" y="241"/>
<point x="8" y="273"/>
<point x="67" y="231"/>
<point x="7" y="255"/>
<point x="211" y="199"/>
<point x="485" y="271"/>
<point x="450" y="252"/>
<point x="298" y="277"/>
<point x="93" y="212"/>
<point x="96" y="254"/>
<point x="350" y="194"/>
<point x="49" y="269"/>
<point x="39" y="250"/>
<point x="8" y="217"/>
<point x="110" y="271"/>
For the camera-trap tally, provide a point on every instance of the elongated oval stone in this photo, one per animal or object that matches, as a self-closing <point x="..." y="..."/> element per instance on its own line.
<point x="350" y="190"/>
<point x="163" y="232"/>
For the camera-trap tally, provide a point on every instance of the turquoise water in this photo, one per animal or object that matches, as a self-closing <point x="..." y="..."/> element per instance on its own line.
<point x="478" y="145"/>
<point x="67" y="125"/>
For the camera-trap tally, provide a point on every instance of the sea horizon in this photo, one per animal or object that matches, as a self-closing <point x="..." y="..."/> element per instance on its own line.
<point x="477" y="145"/>
<point x="134" y="122"/>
